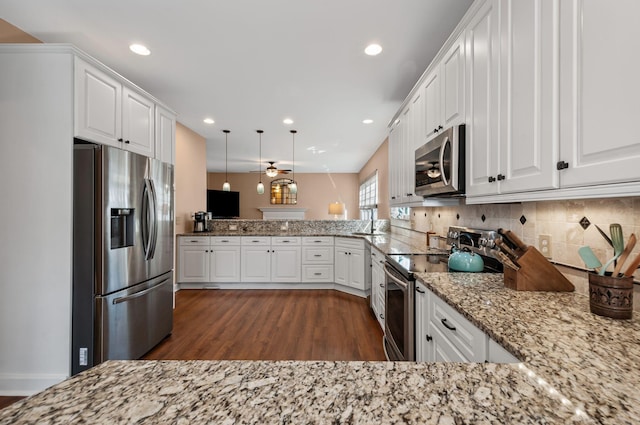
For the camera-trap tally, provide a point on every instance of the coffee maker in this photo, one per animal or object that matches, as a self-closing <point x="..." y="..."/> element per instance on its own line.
<point x="200" y="221"/>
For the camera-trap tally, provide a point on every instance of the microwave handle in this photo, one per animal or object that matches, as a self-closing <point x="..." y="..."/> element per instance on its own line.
<point x="445" y="180"/>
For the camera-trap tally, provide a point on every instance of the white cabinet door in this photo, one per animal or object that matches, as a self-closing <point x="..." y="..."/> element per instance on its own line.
<point x="395" y="158"/>
<point x="452" y="85"/>
<point x="285" y="264"/>
<point x="193" y="264"/>
<point x="444" y="350"/>
<point x="225" y="264"/>
<point x="377" y="287"/>
<point x="165" y="135"/>
<point x="482" y="70"/>
<point x="414" y="138"/>
<point x="357" y="273"/>
<point x="255" y="264"/>
<point x="341" y="269"/>
<point x="425" y="347"/>
<point x="599" y="92"/>
<point x="432" y="117"/>
<point x="98" y="105"/>
<point x="138" y="117"/>
<point x="530" y="95"/>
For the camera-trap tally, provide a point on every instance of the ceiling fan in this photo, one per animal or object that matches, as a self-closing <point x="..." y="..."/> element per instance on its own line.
<point x="272" y="170"/>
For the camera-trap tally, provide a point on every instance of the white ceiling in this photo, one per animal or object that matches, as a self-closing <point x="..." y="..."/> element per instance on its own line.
<point x="248" y="64"/>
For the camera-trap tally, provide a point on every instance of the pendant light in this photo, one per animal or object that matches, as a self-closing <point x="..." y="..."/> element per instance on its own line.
<point x="293" y="187"/>
<point x="260" y="187"/>
<point x="226" y="186"/>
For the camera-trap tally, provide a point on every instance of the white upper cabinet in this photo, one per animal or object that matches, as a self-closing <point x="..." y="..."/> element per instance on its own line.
<point x="482" y="131"/>
<point x="98" y="105"/>
<point x="111" y="111"/>
<point x="432" y="120"/>
<point x="165" y="135"/>
<point x="529" y="95"/>
<point x="138" y="120"/>
<point x="599" y="106"/>
<point x="452" y="71"/>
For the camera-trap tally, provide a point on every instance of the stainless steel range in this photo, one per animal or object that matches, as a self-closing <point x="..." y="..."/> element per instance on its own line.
<point x="399" y="335"/>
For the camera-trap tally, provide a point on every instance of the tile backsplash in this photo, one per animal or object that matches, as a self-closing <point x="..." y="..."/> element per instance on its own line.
<point x="559" y="219"/>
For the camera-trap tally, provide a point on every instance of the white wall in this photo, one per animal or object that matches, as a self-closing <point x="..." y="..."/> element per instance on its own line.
<point x="36" y="158"/>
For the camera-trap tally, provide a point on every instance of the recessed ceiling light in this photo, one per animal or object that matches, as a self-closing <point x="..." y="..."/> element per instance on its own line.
<point x="373" y="49"/>
<point x="208" y="121"/>
<point x="287" y="121"/>
<point x="367" y="121"/>
<point x="140" y="49"/>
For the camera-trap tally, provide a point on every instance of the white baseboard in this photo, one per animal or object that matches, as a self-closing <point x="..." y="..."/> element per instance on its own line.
<point x="272" y="285"/>
<point x="27" y="385"/>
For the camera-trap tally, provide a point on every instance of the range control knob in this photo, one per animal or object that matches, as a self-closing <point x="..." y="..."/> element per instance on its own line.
<point x="453" y="234"/>
<point x="489" y="243"/>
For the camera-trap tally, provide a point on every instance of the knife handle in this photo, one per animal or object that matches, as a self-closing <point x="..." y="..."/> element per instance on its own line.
<point x="505" y="248"/>
<point x="515" y="239"/>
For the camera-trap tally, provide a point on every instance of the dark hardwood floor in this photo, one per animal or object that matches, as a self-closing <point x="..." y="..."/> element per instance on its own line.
<point x="268" y="325"/>
<point x="271" y="325"/>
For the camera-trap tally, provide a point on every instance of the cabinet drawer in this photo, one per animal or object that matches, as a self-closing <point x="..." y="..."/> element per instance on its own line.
<point x="317" y="255"/>
<point x="225" y="240"/>
<point x="284" y="241"/>
<point x="317" y="240"/>
<point x="445" y="350"/>
<point x="194" y="240"/>
<point x="350" y="243"/>
<point x="319" y="273"/>
<point x="255" y="240"/>
<point x="467" y="338"/>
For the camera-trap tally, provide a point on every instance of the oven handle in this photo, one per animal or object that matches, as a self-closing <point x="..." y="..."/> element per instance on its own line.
<point x="395" y="279"/>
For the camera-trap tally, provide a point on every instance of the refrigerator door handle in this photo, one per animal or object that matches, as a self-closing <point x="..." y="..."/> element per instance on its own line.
<point x="138" y="294"/>
<point x="154" y="219"/>
<point x="148" y="221"/>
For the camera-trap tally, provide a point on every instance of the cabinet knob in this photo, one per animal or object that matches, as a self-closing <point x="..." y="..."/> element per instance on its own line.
<point x="317" y="274"/>
<point x="491" y="179"/>
<point x="382" y="285"/>
<point x="409" y="194"/>
<point x="393" y="197"/>
<point x="561" y="165"/>
<point x="435" y="130"/>
<point x="419" y="290"/>
<point x="501" y="177"/>
<point x="126" y="142"/>
<point x="440" y="127"/>
<point x="429" y="338"/>
<point x="120" y="139"/>
<point x="382" y="316"/>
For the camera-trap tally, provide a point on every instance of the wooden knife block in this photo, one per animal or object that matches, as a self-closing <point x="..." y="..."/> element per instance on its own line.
<point x="536" y="274"/>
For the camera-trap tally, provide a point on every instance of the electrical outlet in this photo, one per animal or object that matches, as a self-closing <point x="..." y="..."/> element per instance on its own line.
<point x="233" y="227"/>
<point x="544" y="243"/>
<point x="84" y="356"/>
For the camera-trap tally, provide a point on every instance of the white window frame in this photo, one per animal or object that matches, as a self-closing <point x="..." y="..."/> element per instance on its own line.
<point x="368" y="197"/>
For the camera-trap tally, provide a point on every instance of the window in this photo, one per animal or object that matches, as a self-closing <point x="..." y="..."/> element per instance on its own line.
<point x="369" y="198"/>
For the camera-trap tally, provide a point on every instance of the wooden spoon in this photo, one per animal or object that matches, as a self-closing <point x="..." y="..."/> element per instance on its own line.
<point x="631" y="243"/>
<point x="633" y="266"/>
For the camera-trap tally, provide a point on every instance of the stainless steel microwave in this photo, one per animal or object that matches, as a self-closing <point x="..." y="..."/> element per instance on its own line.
<point x="440" y="164"/>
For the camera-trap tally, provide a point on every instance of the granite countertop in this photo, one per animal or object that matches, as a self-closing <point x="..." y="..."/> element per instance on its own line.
<point x="576" y="368"/>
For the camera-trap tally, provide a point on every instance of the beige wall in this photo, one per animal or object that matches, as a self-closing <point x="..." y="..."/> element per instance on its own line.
<point x="379" y="161"/>
<point x="315" y="192"/>
<point x="11" y="34"/>
<point x="190" y="176"/>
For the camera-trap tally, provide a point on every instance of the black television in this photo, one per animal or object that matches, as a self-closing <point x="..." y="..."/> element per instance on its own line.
<point x="223" y="204"/>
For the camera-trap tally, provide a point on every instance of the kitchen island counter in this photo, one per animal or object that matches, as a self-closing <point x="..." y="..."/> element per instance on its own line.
<point x="238" y="392"/>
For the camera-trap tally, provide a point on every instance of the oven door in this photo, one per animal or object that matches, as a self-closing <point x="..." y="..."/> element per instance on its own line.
<point x="399" y="316"/>
<point x="439" y="165"/>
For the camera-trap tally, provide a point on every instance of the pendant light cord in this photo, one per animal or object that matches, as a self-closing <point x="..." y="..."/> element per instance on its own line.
<point x="226" y="154"/>
<point x="293" y="158"/>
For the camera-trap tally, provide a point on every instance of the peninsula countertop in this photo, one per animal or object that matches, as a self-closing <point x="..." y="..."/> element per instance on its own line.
<point x="576" y="368"/>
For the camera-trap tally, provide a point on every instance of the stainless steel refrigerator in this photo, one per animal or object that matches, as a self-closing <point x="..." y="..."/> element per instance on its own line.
<point x="122" y="255"/>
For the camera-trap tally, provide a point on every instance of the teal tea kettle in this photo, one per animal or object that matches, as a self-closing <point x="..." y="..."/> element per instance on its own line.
<point x="464" y="260"/>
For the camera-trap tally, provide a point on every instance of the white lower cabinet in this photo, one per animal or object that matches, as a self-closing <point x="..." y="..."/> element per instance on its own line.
<point x="317" y="259"/>
<point x="425" y="344"/>
<point x="444" y="335"/>
<point x="351" y="263"/>
<point x="255" y="259"/>
<point x="224" y="259"/>
<point x="208" y="259"/>
<point x="193" y="259"/>
<point x="377" y="285"/>
<point x="285" y="259"/>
